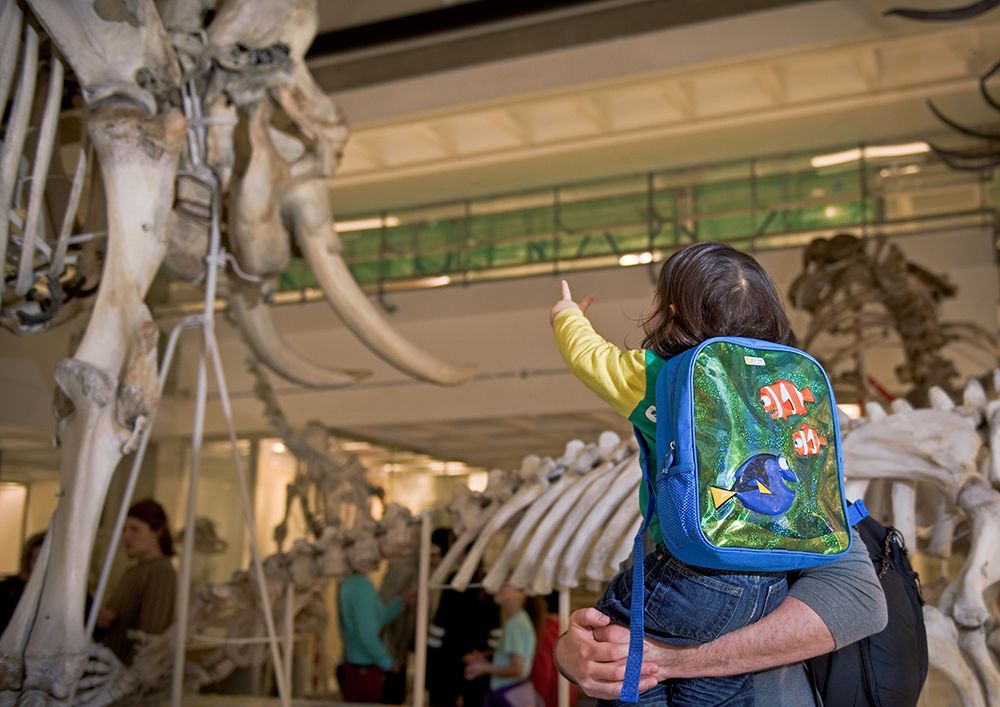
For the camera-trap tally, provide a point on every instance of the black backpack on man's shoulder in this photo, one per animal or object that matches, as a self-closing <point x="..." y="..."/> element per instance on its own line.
<point x="886" y="669"/>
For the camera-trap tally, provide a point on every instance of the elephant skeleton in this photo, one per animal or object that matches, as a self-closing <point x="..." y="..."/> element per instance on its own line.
<point x="572" y="520"/>
<point x="257" y="135"/>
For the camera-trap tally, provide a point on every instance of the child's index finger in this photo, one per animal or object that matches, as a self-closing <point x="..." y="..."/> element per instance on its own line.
<point x="565" y="291"/>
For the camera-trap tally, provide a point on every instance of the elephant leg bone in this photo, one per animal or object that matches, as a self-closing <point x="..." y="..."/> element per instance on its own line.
<point x="138" y="160"/>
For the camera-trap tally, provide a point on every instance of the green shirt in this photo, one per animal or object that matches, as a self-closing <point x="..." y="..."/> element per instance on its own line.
<point x="518" y="638"/>
<point x="362" y="616"/>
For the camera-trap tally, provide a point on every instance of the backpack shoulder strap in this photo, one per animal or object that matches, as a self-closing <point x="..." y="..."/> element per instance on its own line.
<point x="856" y="512"/>
<point x="637" y="628"/>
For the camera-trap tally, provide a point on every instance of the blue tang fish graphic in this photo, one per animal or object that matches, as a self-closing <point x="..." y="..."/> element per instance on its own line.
<point x="761" y="485"/>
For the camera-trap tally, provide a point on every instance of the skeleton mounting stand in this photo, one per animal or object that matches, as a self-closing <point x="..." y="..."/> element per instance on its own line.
<point x="215" y="260"/>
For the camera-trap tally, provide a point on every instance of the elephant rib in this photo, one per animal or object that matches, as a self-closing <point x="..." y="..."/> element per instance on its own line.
<point x="17" y="129"/>
<point x="39" y="175"/>
<point x="10" y="30"/>
<point x="308" y="207"/>
<point x="259" y="331"/>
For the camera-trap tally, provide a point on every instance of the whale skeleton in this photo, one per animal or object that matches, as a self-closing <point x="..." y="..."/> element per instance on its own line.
<point x="572" y="520"/>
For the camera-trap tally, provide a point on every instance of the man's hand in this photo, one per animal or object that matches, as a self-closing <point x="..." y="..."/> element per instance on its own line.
<point x="567" y="303"/>
<point x="593" y="652"/>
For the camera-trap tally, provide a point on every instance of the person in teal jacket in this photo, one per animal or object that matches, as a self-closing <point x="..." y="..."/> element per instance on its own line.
<point x="366" y="658"/>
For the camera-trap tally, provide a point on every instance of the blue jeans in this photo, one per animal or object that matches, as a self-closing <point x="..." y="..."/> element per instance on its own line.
<point x="688" y="605"/>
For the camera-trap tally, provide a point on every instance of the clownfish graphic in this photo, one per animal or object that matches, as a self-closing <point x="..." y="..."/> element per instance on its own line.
<point x="761" y="485"/>
<point x="782" y="399"/>
<point x="808" y="441"/>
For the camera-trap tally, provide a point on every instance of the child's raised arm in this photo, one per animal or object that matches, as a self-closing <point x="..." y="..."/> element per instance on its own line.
<point x="567" y="303"/>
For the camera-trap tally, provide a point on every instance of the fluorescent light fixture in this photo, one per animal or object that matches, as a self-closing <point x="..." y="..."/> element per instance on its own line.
<point x="872" y="152"/>
<point x="635" y="259"/>
<point x="367" y="224"/>
<point x="439" y="281"/>
<point x="278" y="447"/>
<point x="852" y="410"/>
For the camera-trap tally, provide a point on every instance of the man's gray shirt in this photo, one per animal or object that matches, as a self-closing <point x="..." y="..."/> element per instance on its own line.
<point x="848" y="597"/>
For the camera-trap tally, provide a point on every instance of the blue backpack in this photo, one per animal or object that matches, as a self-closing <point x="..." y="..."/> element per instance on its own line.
<point x="747" y="473"/>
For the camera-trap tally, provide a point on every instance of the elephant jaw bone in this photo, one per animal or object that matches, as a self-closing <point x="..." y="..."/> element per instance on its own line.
<point x="138" y="160"/>
<point x="115" y="48"/>
<point x="256" y="235"/>
<point x="307" y="208"/>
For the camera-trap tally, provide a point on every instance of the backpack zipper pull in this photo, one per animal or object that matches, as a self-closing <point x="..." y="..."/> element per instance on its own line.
<point x="669" y="458"/>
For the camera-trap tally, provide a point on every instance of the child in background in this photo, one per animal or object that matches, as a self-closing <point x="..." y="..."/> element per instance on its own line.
<point x="510" y="668"/>
<point x="703" y="291"/>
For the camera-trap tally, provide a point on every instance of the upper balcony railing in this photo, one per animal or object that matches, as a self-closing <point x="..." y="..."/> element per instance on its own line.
<point x="755" y="204"/>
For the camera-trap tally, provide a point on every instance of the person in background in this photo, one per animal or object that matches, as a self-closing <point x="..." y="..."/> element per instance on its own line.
<point x="144" y="598"/>
<point x="463" y="622"/>
<point x="402" y="574"/>
<point x="510" y="668"/>
<point x="12" y="588"/>
<point x="362" y="616"/>
<point x="544" y="675"/>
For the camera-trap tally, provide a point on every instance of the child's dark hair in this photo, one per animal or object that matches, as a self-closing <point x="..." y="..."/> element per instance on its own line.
<point x="711" y="289"/>
<point x="152" y="514"/>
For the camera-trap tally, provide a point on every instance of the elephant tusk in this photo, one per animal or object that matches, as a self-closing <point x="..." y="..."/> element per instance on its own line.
<point x="257" y="327"/>
<point x="308" y="210"/>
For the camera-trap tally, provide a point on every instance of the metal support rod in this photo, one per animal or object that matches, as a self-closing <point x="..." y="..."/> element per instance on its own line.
<point x="140" y="455"/>
<point x="563" y="626"/>
<point x="215" y="260"/>
<point x="289" y="634"/>
<point x="423" y="606"/>
<point x="184" y="577"/>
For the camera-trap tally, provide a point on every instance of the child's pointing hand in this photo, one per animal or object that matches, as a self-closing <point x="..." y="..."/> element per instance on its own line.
<point x="567" y="303"/>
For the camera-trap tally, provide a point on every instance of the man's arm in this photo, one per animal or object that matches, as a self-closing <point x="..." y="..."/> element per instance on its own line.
<point x="828" y="607"/>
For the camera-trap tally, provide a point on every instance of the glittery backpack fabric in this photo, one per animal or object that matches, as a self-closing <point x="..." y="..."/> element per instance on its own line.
<point x="748" y="472"/>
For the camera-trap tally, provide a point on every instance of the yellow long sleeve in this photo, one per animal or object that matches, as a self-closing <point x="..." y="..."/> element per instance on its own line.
<point x="618" y="377"/>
